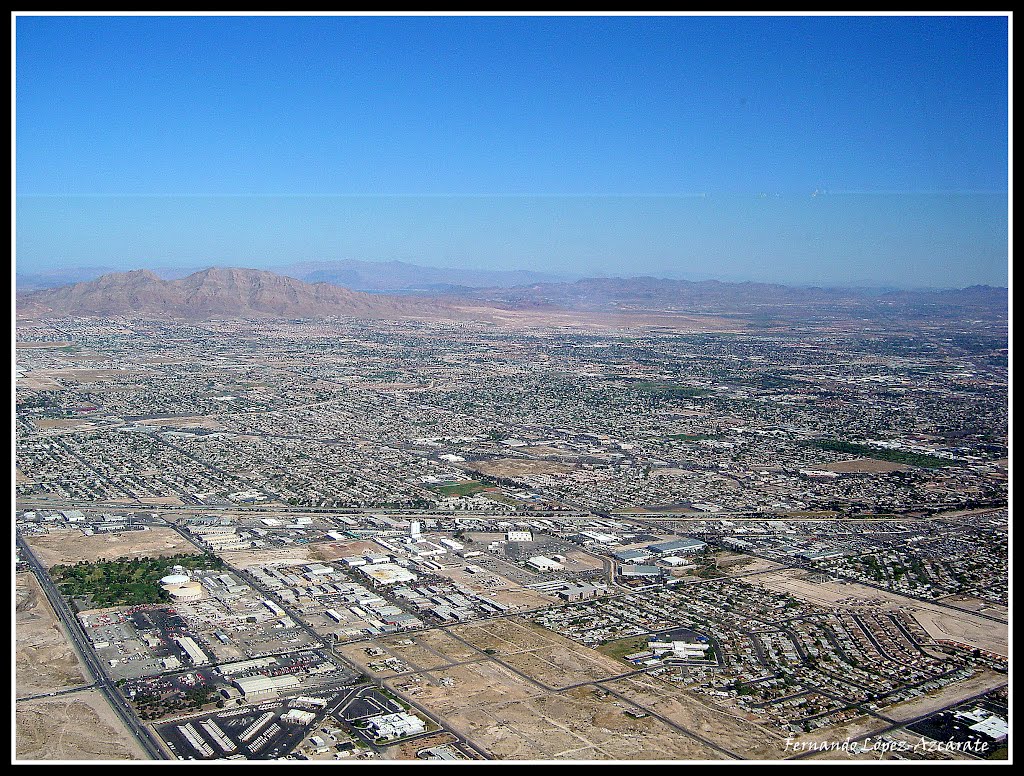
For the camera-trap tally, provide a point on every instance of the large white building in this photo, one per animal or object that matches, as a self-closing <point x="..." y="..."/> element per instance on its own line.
<point x="540" y="563"/>
<point x="260" y="685"/>
<point x="391" y="726"/>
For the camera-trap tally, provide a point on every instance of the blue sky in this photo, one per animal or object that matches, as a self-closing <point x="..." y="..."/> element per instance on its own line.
<point x="678" y="146"/>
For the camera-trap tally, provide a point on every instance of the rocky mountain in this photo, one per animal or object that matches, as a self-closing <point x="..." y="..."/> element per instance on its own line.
<point x="217" y="292"/>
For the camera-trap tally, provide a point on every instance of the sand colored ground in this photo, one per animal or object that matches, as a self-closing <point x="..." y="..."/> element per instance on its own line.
<point x="37" y="383"/>
<point x="44" y="660"/>
<point x="546" y="657"/>
<point x="288" y="556"/>
<point x="939" y="622"/>
<point x="700" y="715"/>
<point x="977" y="605"/>
<point x="945" y="697"/>
<point x="517" y="467"/>
<point x="498" y="588"/>
<point x="78" y="726"/>
<point x="71" y="545"/>
<point x="514" y="720"/>
<point x="865" y="466"/>
<point x="328" y="551"/>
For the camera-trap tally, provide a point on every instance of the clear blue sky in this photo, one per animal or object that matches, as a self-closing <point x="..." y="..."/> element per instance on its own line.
<point x="563" y="143"/>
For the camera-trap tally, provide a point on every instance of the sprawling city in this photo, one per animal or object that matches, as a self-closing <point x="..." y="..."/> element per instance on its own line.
<point x="489" y="388"/>
<point x="366" y="539"/>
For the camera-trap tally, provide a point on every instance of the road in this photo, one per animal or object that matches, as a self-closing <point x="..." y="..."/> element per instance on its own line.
<point x="83" y="647"/>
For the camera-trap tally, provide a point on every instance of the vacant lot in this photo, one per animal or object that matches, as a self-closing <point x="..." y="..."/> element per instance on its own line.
<point x="45" y="661"/>
<point x="71" y="546"/>
<point x="553" y="661"/>
<point x="514" y="721"/>
<point x="288" y="556"/>
<point x="497" y="588"/>
<point x="518" y="467"/>
<point x="79" y="726"/>
<point x="698" y="715"/>
<point x="328" y="551"/>
<point x="865" y="466"/>
<point x="938" y="621"/>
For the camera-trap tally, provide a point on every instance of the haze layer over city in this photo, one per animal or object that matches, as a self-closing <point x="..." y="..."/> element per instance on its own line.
<point x="511" y="388"/>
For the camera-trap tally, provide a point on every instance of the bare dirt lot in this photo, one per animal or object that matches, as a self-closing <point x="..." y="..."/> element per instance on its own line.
<point x="938" y="621"/>
<point x="514" y="720"/>
<point x="44" y="660"/>
<point x="865" y="466"/>
<point x="946" y="696"/>
<point x="699" y="715"/>
<point x="517" y="467"/>
<point x="78" y="726"/>
<point x="71" y="545"/>
<point x="333" y="550"/>
<point x="291" y="556"/>
<point x="498" y="588"/>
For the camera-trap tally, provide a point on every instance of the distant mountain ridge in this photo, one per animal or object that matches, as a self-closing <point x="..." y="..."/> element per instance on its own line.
<point x="241" y="293"/>
<point x="746" y="298"/>
<point x="391" y="276"/>
<point x="215" y="292"/>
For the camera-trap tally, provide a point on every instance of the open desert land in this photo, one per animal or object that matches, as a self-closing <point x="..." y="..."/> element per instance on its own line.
<point x="60" y="423"/>
<point x="583" y="320"/>
<point x="421" y="652"/>
<point x="865" y="466"/>
<point x="328" y="551"/>
<point x="940" y="622"/>
<point x="937" y="700"/>
<point x="71" y="546"/>
<point x="584" y="723"/>
<point x="77" y="726"/>
<point x="286" y="556"/>
<point x="44" y="659"/>
<point x="421" y="655"/>
<point x="978" y="605"/>
<point x="699" y="715"/>
<point x="517" y="467"/>
<point x="512" y="718"/>
<point x="550" y="660"/>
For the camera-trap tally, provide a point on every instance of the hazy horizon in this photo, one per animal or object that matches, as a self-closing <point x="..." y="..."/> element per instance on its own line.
<point x="858" y="150"/>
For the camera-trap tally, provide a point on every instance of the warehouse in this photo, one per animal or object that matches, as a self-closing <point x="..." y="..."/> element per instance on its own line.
<point x="387" y="573"/>
<point x="629" y="571"/>
<point x="580" y="592"/>
<point x="192" y="649"/>
<point x="680" y="545"/>
<point x="540" y="563"/>
<point x="260" y="685"/>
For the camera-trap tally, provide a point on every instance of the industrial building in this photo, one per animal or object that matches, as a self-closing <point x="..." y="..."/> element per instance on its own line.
<point x="631" y="571"/>
<point x="580" y="592"/>
<point x="260" y="685"/>
<point x="540" y="563"/>
<point x="387" y="573"/>
<point x="679" y="545"/>
<point x="192" y="649"/>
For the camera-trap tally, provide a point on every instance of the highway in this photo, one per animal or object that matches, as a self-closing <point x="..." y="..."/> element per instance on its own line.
<point x="83" y="647"/>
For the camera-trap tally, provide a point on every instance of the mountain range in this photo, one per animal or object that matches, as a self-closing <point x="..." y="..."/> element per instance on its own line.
<point x="247" y="293"/>
<point x="215" y="293"/>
